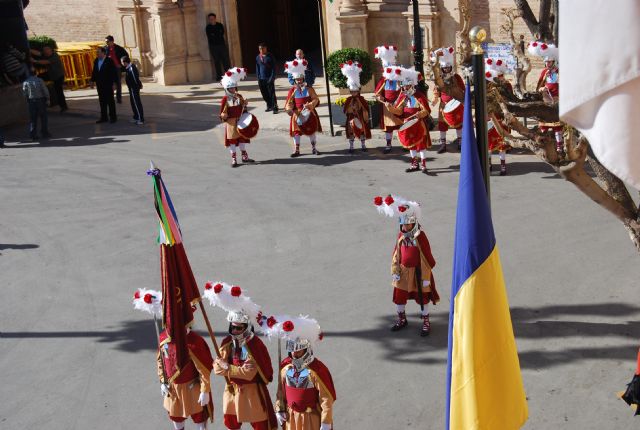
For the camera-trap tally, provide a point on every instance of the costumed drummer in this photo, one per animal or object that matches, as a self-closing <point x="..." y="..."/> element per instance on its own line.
<point x="450" y="98"/>
<point x="232" y="106"/>
<point x="411" y="263"/>
<point x="244" y="359"/>
<point x="387" y="90"/>
<point x="186" y="389"/>
<point x="494" y="73"/>
<point x="412" y="104"/>
<point x="301" y="104"/>
<point x="355" y="107"/>
<point x="549" y="86"/>
<point x="305" y="392"/>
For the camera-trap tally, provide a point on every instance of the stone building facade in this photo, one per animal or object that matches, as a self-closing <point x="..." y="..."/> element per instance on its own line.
<point x="167" y="36"/>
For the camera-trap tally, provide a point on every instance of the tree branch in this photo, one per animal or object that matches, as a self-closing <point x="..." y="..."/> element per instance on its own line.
<point x="527" y="15"/>
<point x="544" y="17"/>
<point x="524" y="64"/>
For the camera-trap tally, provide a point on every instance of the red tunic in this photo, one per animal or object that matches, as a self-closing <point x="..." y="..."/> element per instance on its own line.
<point x="550" y="78"/>
<point x="444" y="99"/>
<point x="357" y="107"/>
<point x="231" y="136"/>
<point x="410" y="256"/>
<point x="297" y="99"/>
<point x="419" y="139"/>
<point x="321" y="370"/>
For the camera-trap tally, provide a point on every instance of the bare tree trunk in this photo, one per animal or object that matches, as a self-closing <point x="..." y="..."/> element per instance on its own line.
<point x="524" y="64"/>
<point x="527" y="15"/>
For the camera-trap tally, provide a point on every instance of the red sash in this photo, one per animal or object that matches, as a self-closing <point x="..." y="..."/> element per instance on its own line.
<point x="409" y="256"/>
<point x="234" y="111"/>
<point x="300" y="399"/>
<point x="301" y="101"/>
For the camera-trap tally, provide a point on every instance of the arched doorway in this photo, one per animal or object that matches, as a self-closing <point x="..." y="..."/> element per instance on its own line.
<point x="285" y="25"/>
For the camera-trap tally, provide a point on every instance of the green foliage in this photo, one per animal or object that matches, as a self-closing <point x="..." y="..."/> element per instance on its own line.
<point x="38" y="42"/>
<point x="341" y="56"/>
<point x="340" y="101"/>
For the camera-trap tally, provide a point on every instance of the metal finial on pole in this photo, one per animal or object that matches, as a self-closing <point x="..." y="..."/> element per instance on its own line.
<point x="477" y="35"/>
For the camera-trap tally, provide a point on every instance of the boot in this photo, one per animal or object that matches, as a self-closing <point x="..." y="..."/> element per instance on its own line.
<point x="503" y="168"/>
<point x="388" y="148"/>
<point x="458" y="142"/>
<point x="424" y="166"/>
<point x="443" y="146"/>
<point x="363" y="147"/>
<point x="401" y="322"/>
<point x="426" y="326"/>
<point x="234" y="161"/>
<point x="296" y="152"/>
<point x="314" y="151"/>
<point x="414" y="165"/>
<point x="245" y="158"/>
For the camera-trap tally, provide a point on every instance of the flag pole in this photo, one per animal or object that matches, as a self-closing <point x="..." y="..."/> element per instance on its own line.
<point x="477" y="35"/>
<point x="215" y="342"/>
<point x="324" y="64"/>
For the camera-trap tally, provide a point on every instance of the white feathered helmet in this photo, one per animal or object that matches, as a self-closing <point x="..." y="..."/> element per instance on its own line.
<point x="548" y="51"/>
<point x="149" y="301"/>
<point x="387" y="54"/>
<point x="494" y="68"/>
<point x="407" y="211"/>
<point x="296" y="68"/>
<point x="410" y="76"/>
<point x="240" y="308"/>
<point x="232" y="77"/>
<point x="444" y="56"/>
<point x="392" y="73"/>
<point x="351" y="70"/>
<point x="299" y="332"/>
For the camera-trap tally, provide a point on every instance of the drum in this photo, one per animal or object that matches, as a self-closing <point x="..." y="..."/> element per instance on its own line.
<point x="307" y="122"/>
<point x="357" y="127"/>
<point x="248" y="125"/>
<point x="453" y="112"/>
<point x="412" y="133"/>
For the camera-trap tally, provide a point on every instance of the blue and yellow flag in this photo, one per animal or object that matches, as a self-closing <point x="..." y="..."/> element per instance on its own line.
<point x="484" y="384"/>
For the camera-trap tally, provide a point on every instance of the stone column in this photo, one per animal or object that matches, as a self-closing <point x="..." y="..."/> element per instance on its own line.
<point x="352" y="19"/>
<point x="131" y="18"/>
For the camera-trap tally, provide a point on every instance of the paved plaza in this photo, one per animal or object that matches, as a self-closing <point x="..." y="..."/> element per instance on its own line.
<point x="300" y="236"/>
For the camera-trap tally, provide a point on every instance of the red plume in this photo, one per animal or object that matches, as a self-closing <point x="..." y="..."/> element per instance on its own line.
<point x="295" y="63"/>
<point x="377" y="201"/>
<point x="375" y="51"/>
<point x="217" y="288"/>
<point x="148" y="298"/>
<point x="136" y="295"/>
<point x="287" y="326"/>
<point x="208" y="286"/>
<point x="388" y="200"/>
<point x="229" y="74"/>
<point x="236" y="291"/>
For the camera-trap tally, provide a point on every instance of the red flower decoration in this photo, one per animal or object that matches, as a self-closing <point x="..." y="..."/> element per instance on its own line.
<point x="287" y="326"/>
<point x="148" y="298"/>
<point x="259" y="318"/>
<point x="321" y="336"/>
<point x="238" y="69"/>
<point x="398" y="71"/>
<point x="286" y="65"/>
<point x="499" y="63"/>
<point x="451" y="50"/>
<point x="271" y="321"/>
<point x="304" y="62"/>
<point x="359" y="66"/>
<point x="386" y="46"/>
<point x="377" y="201"/>
<point x="488" y="74"/>
<point x="544" y="46"/>
<point x="350" y="62"/>
<point x="295" y="63"/>
<point x="402" y="209"/>
<point x="395" y="48"/>
<point x="341" y="65"/>
<point x="217" y="288"/>
<point x="375" y="51"/>
<point x="236" y="291"/>
<point x="388" y="200"/>
<point x="489" y="61"/>
<point x="229" y="74"/>
<point x="388" y="69"/>
<point x="534" y="44"/>
<point x="136" y="295"/>
<point x="208" y="286"/>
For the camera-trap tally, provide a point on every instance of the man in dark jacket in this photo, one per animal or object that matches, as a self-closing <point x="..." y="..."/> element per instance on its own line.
<point x="115" y="53"/>
<point x="55" y="73"/>
<point x="266" y="73"/>
<point x="132" y="78"/>
<point x="104" y="76"/>
<point x="217" y="48"/>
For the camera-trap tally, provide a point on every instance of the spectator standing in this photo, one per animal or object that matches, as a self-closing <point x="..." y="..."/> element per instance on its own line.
<point x="37" y="95"/>
<point x="55" y="73"/>
<point x="266" y="72"/>
<point x="115" y="53"/>
<point x="104" y="76"/>
<point x="12" y="64"/>
<point x="132" y="78"/>
<point x="309" y="74"/>
<point x="218" y="53"/>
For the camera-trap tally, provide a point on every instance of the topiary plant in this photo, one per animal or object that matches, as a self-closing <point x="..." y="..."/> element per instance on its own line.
<point x="38" y="42"/>
<point x="341" y="56"/>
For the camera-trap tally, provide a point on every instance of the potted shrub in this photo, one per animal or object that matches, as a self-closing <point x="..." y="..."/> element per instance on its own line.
<point x="334" y="60"/>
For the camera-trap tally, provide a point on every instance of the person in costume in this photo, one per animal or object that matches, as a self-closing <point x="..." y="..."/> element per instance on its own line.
<point x="186" y="390"/>
<point x="232" y="106"/>
<point x="413" y="104"/>
<point x="632" y="394"/>
<point x="355" y="107"/>
<point x="244" y="360"/>
<point x="411" y="263"/>
<point x="305" y="392"/>
<point x="387" y="90"/>
<point x="301" y="104"/>
<point x="450" y="98"/>
<point x="549" y="86"/>
<point x="494" y="73"/>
